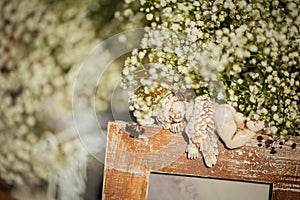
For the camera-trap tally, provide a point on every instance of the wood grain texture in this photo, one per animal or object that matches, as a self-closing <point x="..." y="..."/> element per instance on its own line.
<point x="129" y="162"/>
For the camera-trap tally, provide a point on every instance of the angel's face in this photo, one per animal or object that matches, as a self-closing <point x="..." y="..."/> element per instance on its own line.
<point x="177" y="112"/>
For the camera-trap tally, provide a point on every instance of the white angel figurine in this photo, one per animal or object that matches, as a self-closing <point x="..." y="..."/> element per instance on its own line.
<point x="232" y="126"/>
<point x="172" y="110"/>
<point x="201" y="131"/>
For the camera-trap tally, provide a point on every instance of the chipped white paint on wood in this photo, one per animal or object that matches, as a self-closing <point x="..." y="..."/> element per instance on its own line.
<point x="129" y="162"/>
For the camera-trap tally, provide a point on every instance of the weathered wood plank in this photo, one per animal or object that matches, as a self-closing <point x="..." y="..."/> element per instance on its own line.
<point x="121" y="185"/>
<point x="129" y="162"/>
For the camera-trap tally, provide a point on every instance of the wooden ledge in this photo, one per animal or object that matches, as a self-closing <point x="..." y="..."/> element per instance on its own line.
<point x="131" y="159"/>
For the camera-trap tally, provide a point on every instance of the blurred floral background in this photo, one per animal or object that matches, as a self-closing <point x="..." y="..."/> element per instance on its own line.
<point x="42" y="45"/>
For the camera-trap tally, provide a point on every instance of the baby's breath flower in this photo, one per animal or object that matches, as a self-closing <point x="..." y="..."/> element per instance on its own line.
<point x="246" y="42"/>
<point x="42" y="45"/>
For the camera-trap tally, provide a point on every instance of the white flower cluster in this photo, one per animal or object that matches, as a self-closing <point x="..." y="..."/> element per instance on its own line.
<point x="168" y="61"/>
<point x="42" y="45"/>
<point x="254" y="46"/>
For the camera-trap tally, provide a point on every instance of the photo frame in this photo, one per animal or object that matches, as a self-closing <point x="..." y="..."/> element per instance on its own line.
<point x="134" y="152"/>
